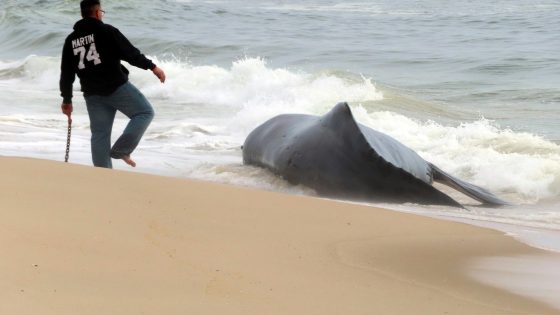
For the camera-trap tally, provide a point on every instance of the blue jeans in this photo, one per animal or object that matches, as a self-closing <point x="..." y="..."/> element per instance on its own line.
<point x="128" y="100"/>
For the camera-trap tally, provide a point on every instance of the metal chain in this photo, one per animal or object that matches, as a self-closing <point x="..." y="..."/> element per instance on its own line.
<point x="68" y="140"/>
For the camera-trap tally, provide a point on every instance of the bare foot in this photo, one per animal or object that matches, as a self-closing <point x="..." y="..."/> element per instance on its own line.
<point x="129" y="161"/>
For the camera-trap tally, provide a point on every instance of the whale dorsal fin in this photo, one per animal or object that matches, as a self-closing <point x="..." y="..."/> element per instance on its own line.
<point x="340" y="116"/>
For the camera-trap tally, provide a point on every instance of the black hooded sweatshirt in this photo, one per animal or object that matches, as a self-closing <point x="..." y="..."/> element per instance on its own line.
<point x="94" y="51"/>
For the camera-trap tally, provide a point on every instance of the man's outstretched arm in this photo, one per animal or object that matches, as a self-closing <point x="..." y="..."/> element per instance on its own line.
<point x="132" y="55"/>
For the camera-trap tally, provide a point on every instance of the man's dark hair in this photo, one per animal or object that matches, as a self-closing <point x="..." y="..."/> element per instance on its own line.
<point x="88" y="7"/>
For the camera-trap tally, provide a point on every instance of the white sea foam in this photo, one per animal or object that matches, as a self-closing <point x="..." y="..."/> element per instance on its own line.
<point x="31" y="73"/>
<point x="248" y="81"/>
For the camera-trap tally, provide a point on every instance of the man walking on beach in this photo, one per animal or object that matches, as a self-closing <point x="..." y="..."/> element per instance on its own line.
<point x="94" y="51"/>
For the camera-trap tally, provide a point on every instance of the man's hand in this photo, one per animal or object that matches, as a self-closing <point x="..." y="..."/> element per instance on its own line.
<point x="159" y="73"/>
<point x="67" y="109"/>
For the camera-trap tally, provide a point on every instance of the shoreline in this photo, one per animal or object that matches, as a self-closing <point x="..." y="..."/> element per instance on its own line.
<point x="540" y="237"/>
<point x="136" y="242"/>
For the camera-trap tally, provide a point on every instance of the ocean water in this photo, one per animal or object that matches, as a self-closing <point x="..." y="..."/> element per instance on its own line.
<point x="472" y="86"/>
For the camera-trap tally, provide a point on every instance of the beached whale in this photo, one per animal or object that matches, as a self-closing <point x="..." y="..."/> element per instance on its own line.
<point x="338" y="157"/>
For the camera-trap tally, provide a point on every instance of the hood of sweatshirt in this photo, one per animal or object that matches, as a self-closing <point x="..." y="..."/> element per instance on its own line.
<point x="87" y="24"/>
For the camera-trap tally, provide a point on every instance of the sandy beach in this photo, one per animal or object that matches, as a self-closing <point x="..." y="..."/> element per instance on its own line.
<point x="81" y="240"/>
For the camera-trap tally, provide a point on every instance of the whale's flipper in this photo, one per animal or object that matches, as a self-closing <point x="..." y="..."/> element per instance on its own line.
<point x="468" y="189"/>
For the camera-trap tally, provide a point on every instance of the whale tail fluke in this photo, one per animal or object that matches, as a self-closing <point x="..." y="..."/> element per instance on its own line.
<point x="468" y="189"/>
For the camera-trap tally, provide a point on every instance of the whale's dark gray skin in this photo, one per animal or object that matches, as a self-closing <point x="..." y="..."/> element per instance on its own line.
<point x="338" y="157"/>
